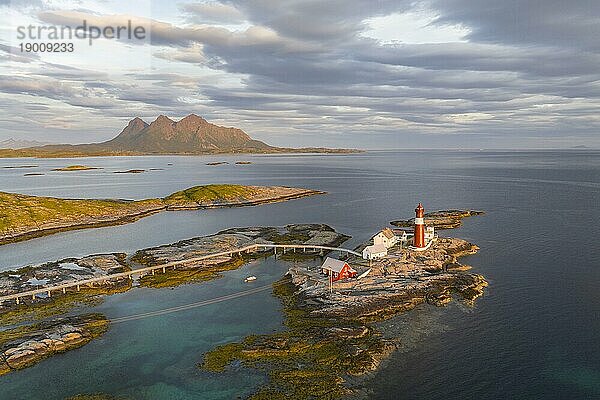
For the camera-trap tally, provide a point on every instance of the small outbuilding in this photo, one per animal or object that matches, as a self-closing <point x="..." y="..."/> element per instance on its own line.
<point x="337" y="269"/>
<point x="401" y="236"/>
<point x="429" y="234"/>
<point x="374" y="252"/>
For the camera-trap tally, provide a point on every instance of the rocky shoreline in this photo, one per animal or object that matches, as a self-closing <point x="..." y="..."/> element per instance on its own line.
<point x="331" y="333"/>
<point x="26" y="346"/>
<point x="27" y="217"/>
<point x="443" y="219"/>
<point x="103" y="265"/>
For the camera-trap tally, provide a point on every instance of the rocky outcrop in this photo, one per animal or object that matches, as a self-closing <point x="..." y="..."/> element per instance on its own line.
<point x="445" y="219"/>
<point x="104" y="265"/>
<point x="25" y="346"/>
<point x="58" y="272"/>
<point x="397" y="283"/>
<point x="234" y="238"/>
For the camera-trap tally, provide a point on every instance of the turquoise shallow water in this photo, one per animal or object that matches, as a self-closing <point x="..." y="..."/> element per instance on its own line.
<point x="156" y="357"/>
<point x="534" y="335"/>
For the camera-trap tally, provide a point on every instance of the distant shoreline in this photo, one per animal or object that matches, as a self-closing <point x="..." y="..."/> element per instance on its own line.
<point x="39" y="153"/>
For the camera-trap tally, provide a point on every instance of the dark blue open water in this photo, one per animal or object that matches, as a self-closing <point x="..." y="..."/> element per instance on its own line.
<point x="535" y="334"/>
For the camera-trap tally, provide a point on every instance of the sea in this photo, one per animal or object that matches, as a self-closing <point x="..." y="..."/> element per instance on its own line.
<point x="535" y="334"/>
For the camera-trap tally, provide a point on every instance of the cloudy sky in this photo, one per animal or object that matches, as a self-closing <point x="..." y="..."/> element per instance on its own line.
<point x="351" y="73"/>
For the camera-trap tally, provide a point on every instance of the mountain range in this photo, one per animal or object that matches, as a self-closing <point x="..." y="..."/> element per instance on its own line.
<point x="12" y="143"/>
<point x="190" y="135"/>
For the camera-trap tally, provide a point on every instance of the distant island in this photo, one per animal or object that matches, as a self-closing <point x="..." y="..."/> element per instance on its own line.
<point x="191" y="135"/>
<point x="75" y="168"/>
<point x="24" y="217"/>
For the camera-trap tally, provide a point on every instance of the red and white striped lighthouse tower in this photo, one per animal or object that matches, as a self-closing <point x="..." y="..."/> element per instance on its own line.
<point x="419" y="238"/>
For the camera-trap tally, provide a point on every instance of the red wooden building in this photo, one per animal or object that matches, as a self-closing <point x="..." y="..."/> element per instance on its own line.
<point x="337" y="269"/>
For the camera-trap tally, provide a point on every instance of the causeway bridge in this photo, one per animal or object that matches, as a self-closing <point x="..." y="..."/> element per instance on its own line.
<point x="77" y="284"/>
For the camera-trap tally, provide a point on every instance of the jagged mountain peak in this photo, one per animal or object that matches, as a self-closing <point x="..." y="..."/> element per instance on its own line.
<point x="191" y="134"/>
<point x="163" y="119"/>
<point x="137" y="120"/>
<point x="192" y="118"/>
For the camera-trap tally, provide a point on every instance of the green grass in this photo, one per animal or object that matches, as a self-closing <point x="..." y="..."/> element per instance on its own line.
<point x="23" y="212"/>
<point x="23" y="216"/>
<point x="212" y="193"/>
<point x="75" y="168"/>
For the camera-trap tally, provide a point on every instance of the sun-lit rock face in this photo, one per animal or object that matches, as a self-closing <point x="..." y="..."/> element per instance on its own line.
<point x="191" y="134"/>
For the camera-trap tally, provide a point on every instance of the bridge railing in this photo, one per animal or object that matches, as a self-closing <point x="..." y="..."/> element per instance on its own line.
<point x="129" y="274"/>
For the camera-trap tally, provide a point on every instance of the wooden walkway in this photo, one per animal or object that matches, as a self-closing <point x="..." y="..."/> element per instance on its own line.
<point x="151" y="270"/>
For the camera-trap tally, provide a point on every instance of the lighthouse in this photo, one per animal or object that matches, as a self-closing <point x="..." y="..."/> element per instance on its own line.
<point x="419" y="238"/>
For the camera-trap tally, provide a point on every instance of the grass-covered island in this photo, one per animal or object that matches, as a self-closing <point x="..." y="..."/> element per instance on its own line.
<point x="23" y="217"/>
<point x="75" y="168"/>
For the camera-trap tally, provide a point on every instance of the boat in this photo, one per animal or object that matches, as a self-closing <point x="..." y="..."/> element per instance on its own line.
<point x="250" y="279"/>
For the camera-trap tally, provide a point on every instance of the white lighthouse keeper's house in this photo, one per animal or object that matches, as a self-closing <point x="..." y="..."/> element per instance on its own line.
<point x="386" y="238"/>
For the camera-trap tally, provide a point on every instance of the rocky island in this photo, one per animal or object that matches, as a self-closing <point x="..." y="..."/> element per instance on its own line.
<point x="130" y="171"/>
<point x="23" y="347"/>
<point x="331" y="332"/>
<point x="23" y="217"/>
<point x="444" y="219"/>
<point x="75" y="168"/>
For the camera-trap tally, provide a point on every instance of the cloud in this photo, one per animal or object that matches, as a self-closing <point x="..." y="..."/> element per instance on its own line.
<point x="20" y="4"/>
<point x="315" y="20"/>
<point x="10" y="53"/>
<point x="574" y="24"/>
<point x="192" y="54"/>
<point x="272" y="66"/>
<point x="72" y="93"/>
<point x="212" y="12"/>
<point x="162" y="33"/>
<point x="36" y="87"/>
